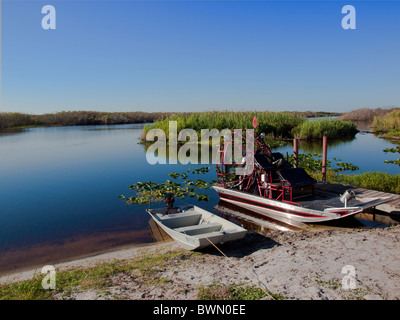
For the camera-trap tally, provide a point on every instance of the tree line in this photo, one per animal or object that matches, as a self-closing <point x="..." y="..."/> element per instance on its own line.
<point x="77" y="118"/>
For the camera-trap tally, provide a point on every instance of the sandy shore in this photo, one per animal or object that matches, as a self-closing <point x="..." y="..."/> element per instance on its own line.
<point x="294" y="265"/>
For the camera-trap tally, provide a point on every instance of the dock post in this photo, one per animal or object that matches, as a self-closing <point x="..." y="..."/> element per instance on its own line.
<point x="296" y="153"/>
<point x="324" y="154"/>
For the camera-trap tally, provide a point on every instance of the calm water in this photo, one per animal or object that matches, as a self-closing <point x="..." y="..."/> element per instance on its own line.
<point x="364" y="151"/>
<point x="59" y="189"/>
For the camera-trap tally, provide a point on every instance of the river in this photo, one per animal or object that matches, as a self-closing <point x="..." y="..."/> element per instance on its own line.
<point x="59" y="189"/>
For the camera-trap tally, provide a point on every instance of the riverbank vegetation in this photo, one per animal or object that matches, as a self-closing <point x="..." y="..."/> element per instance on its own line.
<point x="366" y="115"/>
<point x="382" y="122"/>
<point x="373" y="180"/>
<point x="76" y="118"/>
<point x="275" y="125"/>
<point x="331" y="128"/>
<point x="388" y="125"/>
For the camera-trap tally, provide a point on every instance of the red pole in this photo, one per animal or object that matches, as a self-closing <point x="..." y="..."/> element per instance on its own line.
<point x="324" y="154"/>
<point x="296" y="153"/>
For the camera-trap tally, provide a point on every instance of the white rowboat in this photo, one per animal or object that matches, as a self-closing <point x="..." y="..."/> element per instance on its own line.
<point x="194" y="228"/>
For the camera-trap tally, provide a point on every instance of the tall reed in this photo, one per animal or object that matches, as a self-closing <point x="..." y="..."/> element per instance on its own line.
<point x="273" y="124"/>
<point x="331" y="128"/>
<point x="388" y="124"/>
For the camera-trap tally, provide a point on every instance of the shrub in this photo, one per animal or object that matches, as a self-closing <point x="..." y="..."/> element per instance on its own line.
<point x="389" y="124"/>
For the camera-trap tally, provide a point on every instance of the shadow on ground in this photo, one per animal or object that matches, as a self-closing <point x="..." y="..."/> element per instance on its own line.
<point x="241" y="248"/>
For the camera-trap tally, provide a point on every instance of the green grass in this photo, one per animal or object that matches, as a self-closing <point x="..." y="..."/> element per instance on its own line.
<point x="97" y="277"/>
<point x="374" y="180"/>
<point x="217" y="291"/>
<point x="331" y="128"/>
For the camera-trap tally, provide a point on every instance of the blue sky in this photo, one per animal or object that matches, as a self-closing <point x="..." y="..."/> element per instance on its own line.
<point x="199" y="55"/>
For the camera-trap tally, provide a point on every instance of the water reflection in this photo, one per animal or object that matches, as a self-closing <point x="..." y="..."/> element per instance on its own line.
<point x="315" y="146"/>
<point x="184" y="154"/>
<point x="9" y="132"/>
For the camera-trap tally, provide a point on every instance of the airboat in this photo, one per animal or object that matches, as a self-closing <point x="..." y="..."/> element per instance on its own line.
<point x="274" y="188"/>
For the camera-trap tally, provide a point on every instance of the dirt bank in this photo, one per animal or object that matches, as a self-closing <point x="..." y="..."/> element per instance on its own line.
<point x="292" y="265"/>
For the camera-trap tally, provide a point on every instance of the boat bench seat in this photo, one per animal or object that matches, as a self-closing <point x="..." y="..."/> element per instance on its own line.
<point x="200" y="228"/>
<point x="209" y="235"/>
<point x="181" y="220"/>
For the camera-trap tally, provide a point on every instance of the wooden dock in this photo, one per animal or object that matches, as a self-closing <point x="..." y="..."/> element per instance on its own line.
<point x="391" y="207"/>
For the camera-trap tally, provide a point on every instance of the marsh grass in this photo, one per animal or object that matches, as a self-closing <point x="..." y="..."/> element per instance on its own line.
<point x="273" y="124"/>
<point x="389" y="125"/>
<point x="331" y="128"/>
<point x="374" y="180"/>
<point x="365" y="115"/>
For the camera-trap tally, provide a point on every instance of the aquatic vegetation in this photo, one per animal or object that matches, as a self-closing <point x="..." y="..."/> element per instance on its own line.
<point x="312" y="163"/>
<point x="393" y="150"/>
<point x="147" y="192"/>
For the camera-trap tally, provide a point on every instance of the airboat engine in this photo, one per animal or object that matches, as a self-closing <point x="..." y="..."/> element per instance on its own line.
<point x="347" y="196"/>
<point x="169" y="199"/>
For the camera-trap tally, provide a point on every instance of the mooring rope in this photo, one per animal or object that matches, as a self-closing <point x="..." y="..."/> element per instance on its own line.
<point x="245" y="273"/>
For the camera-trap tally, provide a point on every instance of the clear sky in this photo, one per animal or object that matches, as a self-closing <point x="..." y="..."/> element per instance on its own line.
<point x="199" y="55"/>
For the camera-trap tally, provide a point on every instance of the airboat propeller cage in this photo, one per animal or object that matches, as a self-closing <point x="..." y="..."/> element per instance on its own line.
<point x="169" y="199"/>
<point x="347" y="196"/>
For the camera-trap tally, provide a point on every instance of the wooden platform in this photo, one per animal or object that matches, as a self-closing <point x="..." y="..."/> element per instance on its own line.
<point x="392" y="206"/>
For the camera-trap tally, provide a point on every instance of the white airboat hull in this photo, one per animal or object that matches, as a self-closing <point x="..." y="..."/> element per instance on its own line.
<point x="286" y="211"/>
<point x="194" y="228"/>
